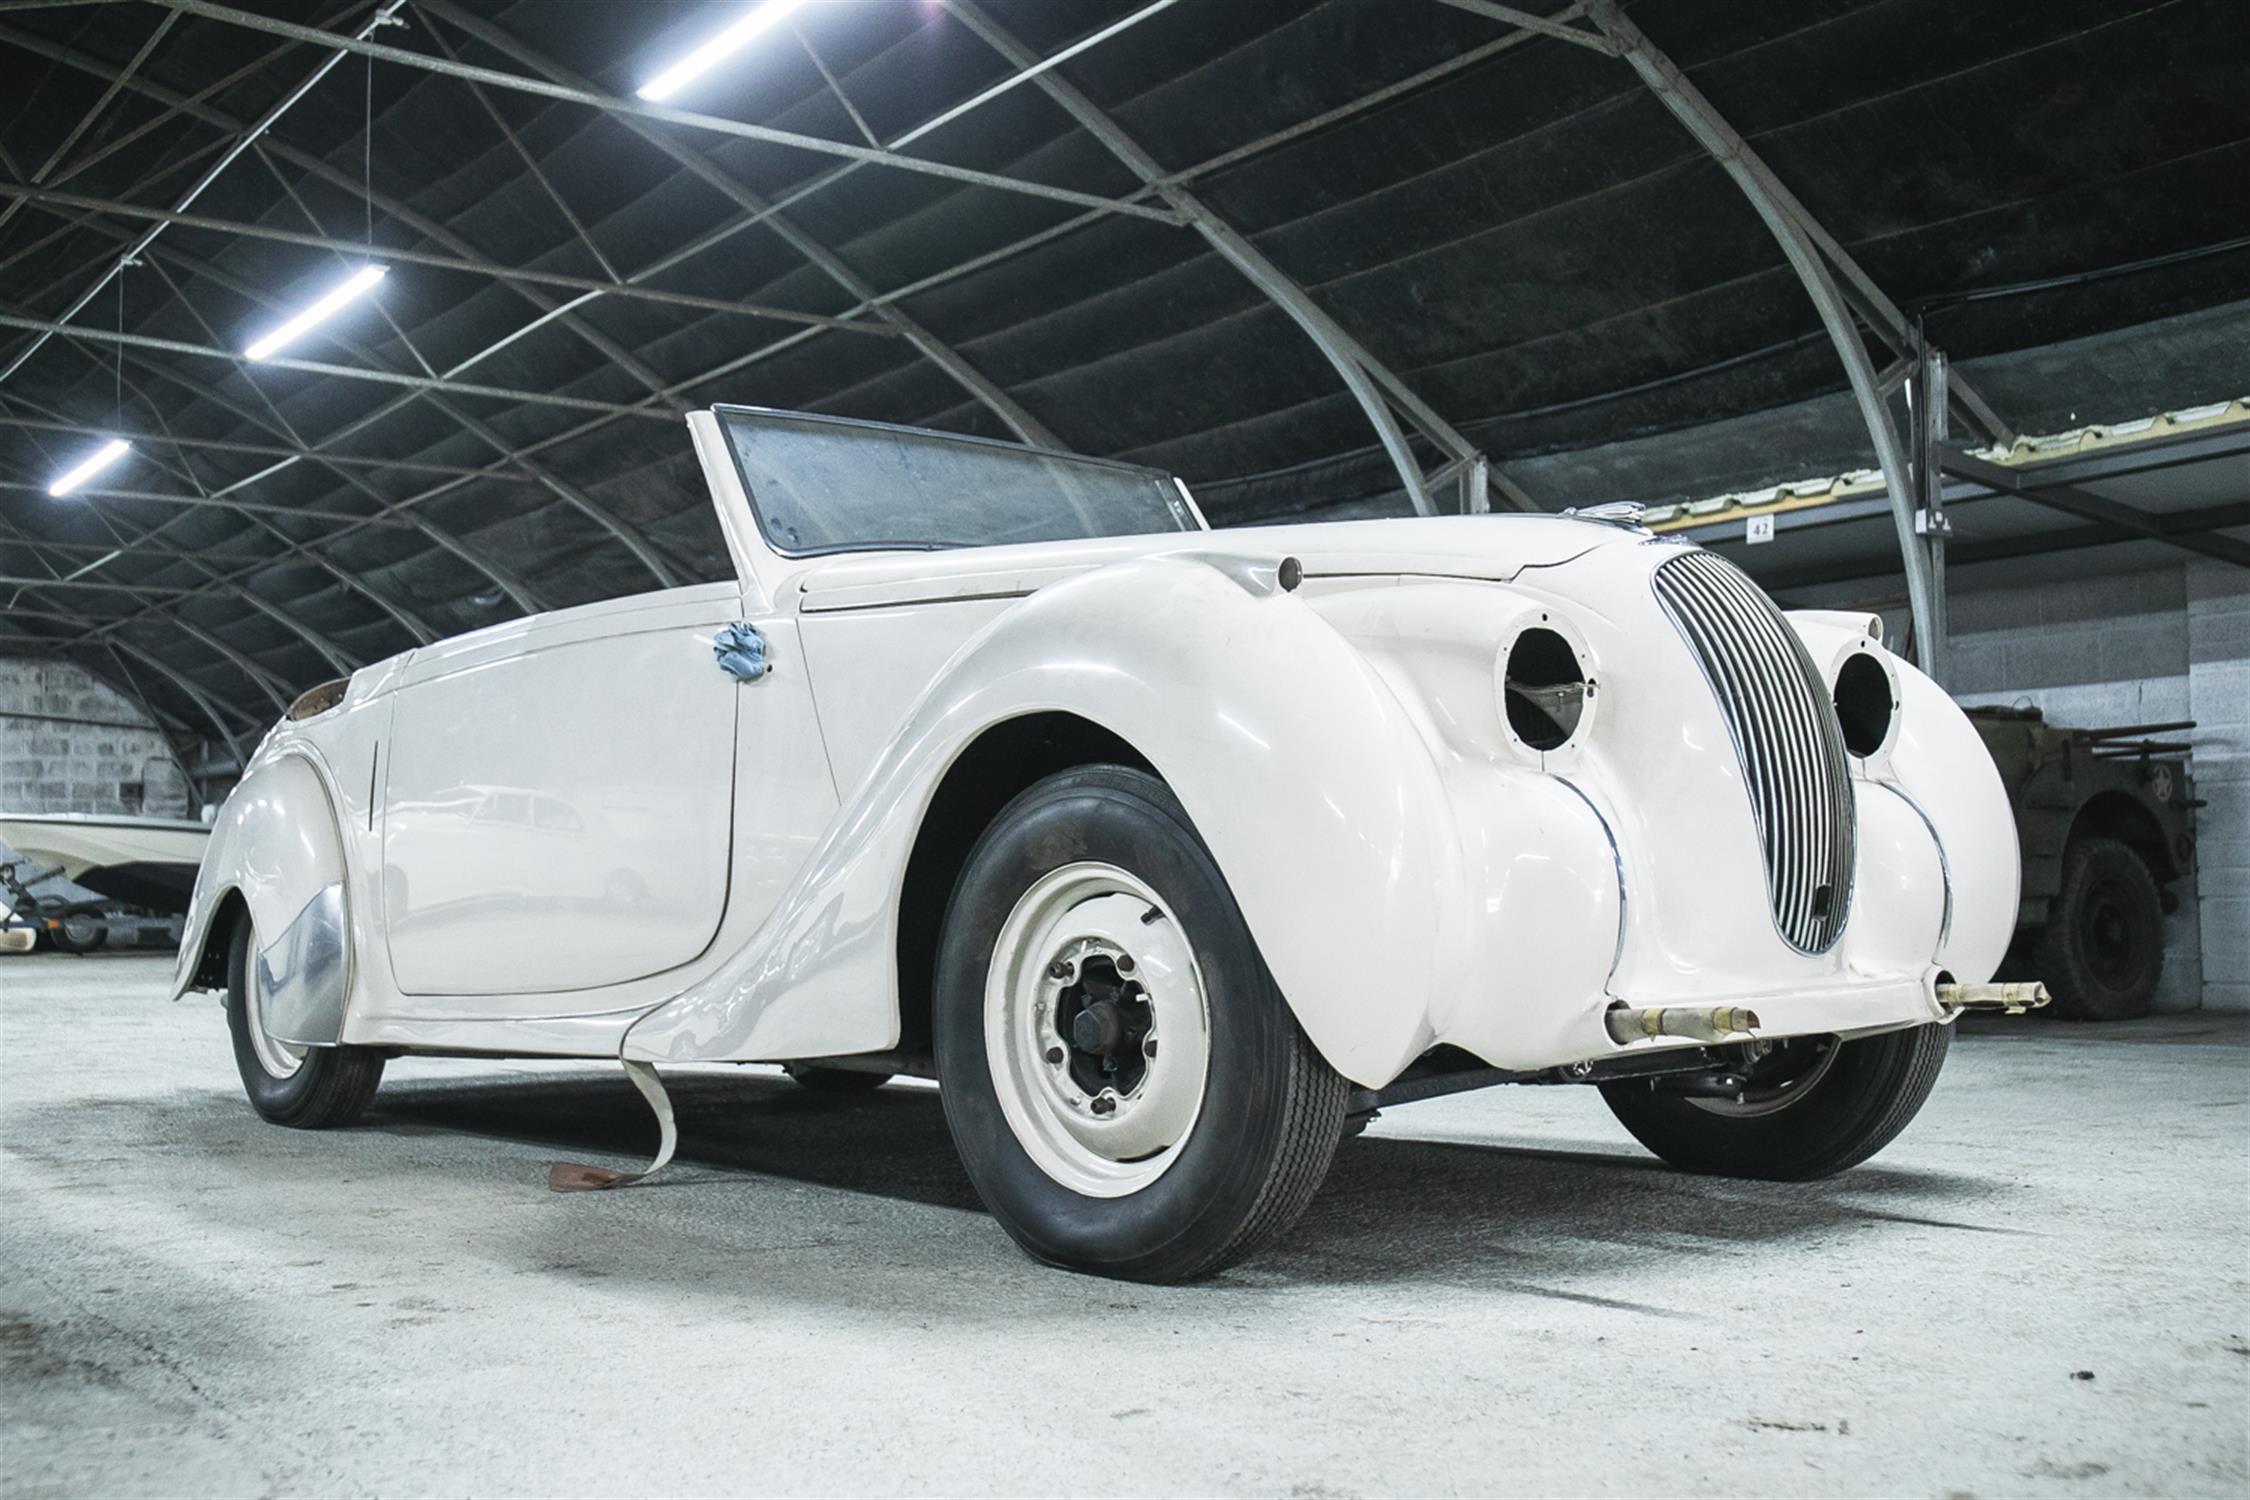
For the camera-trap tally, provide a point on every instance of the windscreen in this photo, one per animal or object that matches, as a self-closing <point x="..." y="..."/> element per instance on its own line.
<point x="830" y="486"/>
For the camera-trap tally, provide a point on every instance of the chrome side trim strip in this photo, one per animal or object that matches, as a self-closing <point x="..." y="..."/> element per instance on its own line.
<point x="1945" y="866"/>
<point x="305" y="973"/>
<point x="1617" y="861"/>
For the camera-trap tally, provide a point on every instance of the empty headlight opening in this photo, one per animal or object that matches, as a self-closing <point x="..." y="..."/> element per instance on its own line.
<point x="1863" y="703"/>
<point x="1545" y="689"/>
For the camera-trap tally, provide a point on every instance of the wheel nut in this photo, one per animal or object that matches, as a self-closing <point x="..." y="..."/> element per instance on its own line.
<point x="1124" y="963"/>
<point x="1148" y="1048"/>
<point x="1055" y="1056"/>
<point x="1106" y="1104"/>
<point x="1058" y="970"/>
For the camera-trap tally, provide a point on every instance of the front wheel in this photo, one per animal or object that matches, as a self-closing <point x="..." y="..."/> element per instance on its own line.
<point x="1128" y="1089"/>
<point x="310" y="1088"/>
<point x="1810" y="1108"/>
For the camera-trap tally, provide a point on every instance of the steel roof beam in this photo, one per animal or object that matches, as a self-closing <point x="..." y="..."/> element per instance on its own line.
<point x="975" y="382"/>
<point x="1372" y="384"/>
<point x="638" y="110"/>
<point x="551" y="311"/>
<point x="86" y="121"/>
<point x="47" y="327"/>
<point x="264" y="450"/>
<point x="264" y="123"/>
<point x="1524" y="20"/>
<point x="417" y="629"/>
<point x="569" y="494"/>
<point x="201" y="559"/>
<point x="1733" y="155"/>
<point x="2088" y="506"/>
<point x="21" y="193"/>
<point x="525" y="597"/>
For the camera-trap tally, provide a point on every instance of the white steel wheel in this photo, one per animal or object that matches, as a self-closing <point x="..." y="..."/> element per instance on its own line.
<point x="280" y="1059"/>
<point x="1127" y="1086"/>
<point x="1097" y="1029"/>
<point x="308" y="1088"/>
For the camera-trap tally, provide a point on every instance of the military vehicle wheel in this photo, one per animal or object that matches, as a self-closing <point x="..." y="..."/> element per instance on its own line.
<point x="2103" y="946"/>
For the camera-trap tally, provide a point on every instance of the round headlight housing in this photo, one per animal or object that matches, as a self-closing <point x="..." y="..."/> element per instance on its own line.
<point x="1544" y="688"/>
<point x="1866" y="704"/>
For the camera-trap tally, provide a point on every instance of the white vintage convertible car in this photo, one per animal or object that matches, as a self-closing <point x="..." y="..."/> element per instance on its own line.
<point x="1170" y="853"/>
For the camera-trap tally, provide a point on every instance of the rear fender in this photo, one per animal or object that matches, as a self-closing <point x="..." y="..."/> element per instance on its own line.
<point x="1310" y="786"/>
<point x="275" y="846"/>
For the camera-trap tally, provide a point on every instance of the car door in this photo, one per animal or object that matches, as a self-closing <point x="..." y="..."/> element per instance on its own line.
<point x="558" y="805"/>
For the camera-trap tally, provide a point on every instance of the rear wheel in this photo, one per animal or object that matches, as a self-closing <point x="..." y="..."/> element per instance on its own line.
<point x="2103" y="947"/>
<point x="310" y="1088"/>
<point x="1128" y="1089"/>
<point x="1810" y="1108"/>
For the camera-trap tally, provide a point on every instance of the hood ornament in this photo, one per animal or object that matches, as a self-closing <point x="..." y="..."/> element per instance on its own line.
<point x="1614" y="512"/>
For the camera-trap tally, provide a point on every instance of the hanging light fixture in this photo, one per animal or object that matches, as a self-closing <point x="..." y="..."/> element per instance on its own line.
<point x="100" y="459"/>
<point x="356" y="285"/>
<point x="717" y="48"/>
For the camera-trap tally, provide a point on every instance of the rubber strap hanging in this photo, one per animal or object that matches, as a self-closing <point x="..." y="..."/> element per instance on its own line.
<point x="582" y="1177"/>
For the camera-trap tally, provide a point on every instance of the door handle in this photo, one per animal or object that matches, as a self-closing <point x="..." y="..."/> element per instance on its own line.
<point x="741" y="651"/>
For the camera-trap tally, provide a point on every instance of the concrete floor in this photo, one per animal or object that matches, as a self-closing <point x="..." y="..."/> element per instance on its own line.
<point x="1495" y="1293"/>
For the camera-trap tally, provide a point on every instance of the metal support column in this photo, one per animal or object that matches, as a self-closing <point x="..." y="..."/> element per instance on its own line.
<point x="1733" y="155"/>
<point x="1372" y="386"/>
<point x="1928" y="398"/>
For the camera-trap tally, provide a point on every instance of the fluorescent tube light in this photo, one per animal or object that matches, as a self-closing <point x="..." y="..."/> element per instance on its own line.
<point x="717" y="48"/>
<point x="107" y="454"/>
<point x="320" y="312"/>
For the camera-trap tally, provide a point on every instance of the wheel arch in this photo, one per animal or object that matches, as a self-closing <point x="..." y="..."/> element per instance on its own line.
<point x="990" y="771"/>
<point x="206" y="963"/>
<point x="275" y="845"/>
<point x="1316" y="795"/>
<point x="2114" y="814"/>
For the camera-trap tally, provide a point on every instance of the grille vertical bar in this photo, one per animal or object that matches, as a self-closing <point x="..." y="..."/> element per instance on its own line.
<point x="1785" y="735"/>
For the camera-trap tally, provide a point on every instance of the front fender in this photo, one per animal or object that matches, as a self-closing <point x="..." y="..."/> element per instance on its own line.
<point x="1316" y="796"/>
<point x="1935" y="760"/>
<point x="275" y="844"/>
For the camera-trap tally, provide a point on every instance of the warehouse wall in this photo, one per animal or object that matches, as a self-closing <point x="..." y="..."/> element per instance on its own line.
<point x="2169" y="643"/>
<point x="71" y="743"/>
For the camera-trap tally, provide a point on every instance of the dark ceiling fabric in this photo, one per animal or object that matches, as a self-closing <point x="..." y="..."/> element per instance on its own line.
<point x="1531" y="242"/>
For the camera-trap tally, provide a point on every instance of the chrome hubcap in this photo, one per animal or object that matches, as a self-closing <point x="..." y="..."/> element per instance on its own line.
<point x="1097" y="1029"/>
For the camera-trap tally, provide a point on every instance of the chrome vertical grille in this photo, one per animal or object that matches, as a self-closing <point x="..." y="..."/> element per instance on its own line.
<point x="1785" y="735"/>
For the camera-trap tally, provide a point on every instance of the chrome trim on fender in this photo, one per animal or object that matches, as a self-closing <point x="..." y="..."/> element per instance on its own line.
<point x="306" y="972"/>
<point x="1945" y="866"/>
<point x="1617" y="862"/>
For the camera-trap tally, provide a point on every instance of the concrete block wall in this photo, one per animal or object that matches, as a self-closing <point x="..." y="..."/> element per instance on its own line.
<point x="2168" y="643"/>
<point x="70" y="743"/>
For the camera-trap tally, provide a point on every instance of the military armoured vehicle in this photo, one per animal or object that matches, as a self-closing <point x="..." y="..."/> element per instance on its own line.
<point x="2106" y="818"/>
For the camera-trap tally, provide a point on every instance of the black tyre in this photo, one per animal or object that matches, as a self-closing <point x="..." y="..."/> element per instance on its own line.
<point x="835" y="1080"/>
<point x="78" y="933"/>
<point x="2102" y="949"/>
<point x="309" y="1088"/>
<point x="1126" y="1085"/>
<point x="1812" y="1108"/>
